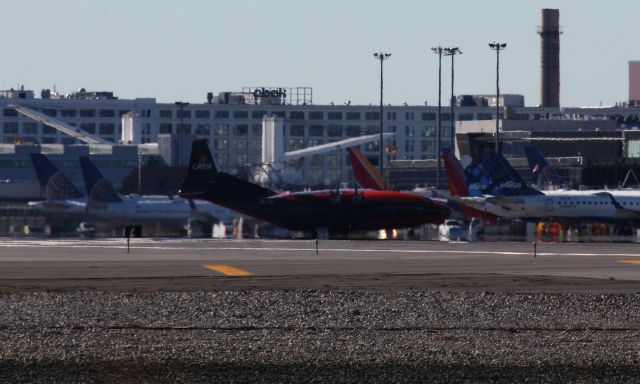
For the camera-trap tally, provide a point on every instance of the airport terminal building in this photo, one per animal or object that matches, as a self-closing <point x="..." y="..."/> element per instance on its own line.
<point x="234" y="123"/>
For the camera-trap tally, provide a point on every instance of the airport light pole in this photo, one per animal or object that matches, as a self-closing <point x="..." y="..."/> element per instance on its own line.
<point x="452" y="52"/>
<point x="497" y="47"/>
<point x="382" y="57"/>
<point x="438" y="51"/>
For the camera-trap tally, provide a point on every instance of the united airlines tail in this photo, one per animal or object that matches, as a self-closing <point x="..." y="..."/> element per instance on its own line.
<point x="55" y="184"/>
<point x="543" y="173"/>
<point x="365" y="175"/>
<point x="504" y="179"/>
<point x="98" y="188"/>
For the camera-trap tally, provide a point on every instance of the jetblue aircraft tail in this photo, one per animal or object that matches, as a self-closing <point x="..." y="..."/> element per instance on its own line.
<point x="204" y="181"/>
<point x="543" y="173"/>
<point x="365" y="175"/>
<point x="98" y="188"/>
<point x="470" y="181"/>
<point x="56" y="185"/>
<point x="504" y="179"/>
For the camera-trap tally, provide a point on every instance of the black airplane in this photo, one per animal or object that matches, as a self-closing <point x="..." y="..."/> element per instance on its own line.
<point x="335" y="211"/>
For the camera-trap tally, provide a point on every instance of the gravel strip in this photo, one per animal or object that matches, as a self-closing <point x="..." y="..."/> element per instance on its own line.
<point x="319" y="336"/>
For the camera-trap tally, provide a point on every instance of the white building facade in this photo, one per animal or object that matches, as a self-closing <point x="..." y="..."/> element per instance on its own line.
<point x="234" y="125"/>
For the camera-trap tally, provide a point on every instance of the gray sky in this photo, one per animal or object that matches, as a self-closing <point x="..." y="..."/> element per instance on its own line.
<point x="180" y="50"/>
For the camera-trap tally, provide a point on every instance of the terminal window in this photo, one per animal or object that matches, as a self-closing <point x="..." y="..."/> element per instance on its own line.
<point x="202" y="114"/>
<point x="296" y="115"/>
<point x="316" y="115"/>
<point x="372" y="115"/>
<point x="334" y="115"/>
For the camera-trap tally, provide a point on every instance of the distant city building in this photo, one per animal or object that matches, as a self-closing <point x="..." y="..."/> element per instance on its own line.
<point x="233" y="123"/>
<point x="634" y="82"/>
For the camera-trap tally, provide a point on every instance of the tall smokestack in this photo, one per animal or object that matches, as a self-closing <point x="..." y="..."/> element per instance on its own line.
<point x="550" y="58"/>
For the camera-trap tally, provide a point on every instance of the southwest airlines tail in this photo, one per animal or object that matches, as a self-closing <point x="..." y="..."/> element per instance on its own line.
<point x="56" y="185"/>
<point x="543" y="173"/>
<point x="366" y="176"/>
<point x="505" y="180"/>
<point x="98" y="188"/>
<point x="455" y="174"/>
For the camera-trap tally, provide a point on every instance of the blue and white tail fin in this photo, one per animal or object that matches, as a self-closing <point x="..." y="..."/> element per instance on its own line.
<point x="98" y="188"/>
<point x="464" y="181"/>
<point x="363" y="172"/>
<point x="504" y="179"/>
<point x="55" y="184"/>
<point x="542" y="172"/>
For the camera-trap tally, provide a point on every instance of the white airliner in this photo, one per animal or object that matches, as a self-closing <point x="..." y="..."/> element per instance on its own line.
<point x="509" y="196"/>
<point x="105" y="203"/>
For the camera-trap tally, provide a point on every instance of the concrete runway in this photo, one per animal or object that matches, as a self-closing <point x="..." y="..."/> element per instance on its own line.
<point x="208" y="264"/>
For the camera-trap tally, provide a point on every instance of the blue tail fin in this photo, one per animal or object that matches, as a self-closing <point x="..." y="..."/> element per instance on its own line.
<point x="477" y="180"/>
<point x="98" y="188"/>
<point x="504" y="179"/>
<point x="55" y="184"/>
<point x="543" y="173"/>
<point x="470" y="181"/>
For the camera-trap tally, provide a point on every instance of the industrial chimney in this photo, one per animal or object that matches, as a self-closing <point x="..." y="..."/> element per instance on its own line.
<point x="550" y="58"/>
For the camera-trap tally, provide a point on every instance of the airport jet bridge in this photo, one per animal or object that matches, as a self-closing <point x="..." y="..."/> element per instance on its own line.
<point x="59" y="125"/>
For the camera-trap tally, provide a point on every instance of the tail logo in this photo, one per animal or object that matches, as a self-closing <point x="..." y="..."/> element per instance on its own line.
<point x="203" y="164"/>
<point x="510" y="184"/>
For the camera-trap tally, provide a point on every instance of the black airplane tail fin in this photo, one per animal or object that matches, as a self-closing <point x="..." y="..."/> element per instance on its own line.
<point x="204" y="181"/>
<point x="202" y="170"/>
<point x="202" y="166"/>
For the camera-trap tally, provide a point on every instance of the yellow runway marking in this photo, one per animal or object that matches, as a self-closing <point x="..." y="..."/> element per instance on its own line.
<point x="227" y="270"/>
<point x="629" y="261"/>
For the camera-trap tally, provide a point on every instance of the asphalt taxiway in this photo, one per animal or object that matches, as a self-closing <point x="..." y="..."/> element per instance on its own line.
<point x="209" y="264"/>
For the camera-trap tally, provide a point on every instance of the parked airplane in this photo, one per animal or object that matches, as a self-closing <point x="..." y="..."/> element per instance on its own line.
<point x="105" y="203"/>
<point x="513" y="195"/>
<point x="368" y="177"/>
<point x="544" y="176"/>
<point x="323" y="211"/>
<point x="60" y="193"/>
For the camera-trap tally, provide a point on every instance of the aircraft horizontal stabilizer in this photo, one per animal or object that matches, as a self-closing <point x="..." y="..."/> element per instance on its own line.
<point x="507" y="202"/>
